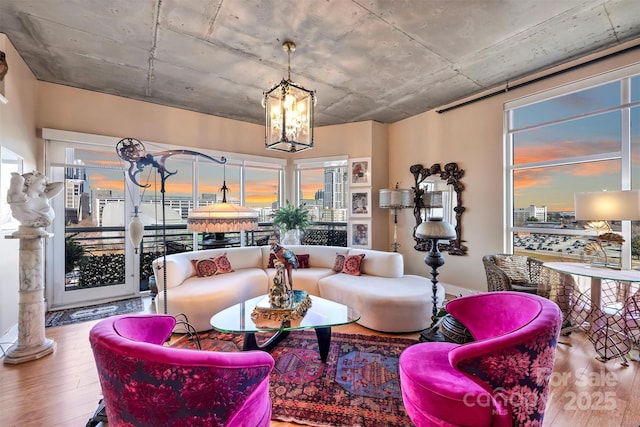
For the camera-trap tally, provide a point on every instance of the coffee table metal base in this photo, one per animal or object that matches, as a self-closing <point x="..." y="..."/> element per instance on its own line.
<point x="323" y="335"/>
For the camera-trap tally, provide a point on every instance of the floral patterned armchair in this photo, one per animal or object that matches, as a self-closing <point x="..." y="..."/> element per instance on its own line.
<point x="501" y="379"/>
<point x="145" y="383"/>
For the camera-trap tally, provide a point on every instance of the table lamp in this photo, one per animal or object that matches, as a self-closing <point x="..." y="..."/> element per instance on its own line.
<point x="608" y="206"/>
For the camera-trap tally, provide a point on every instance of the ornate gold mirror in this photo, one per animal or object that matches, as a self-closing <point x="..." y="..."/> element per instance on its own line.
<point x="438" y="193"/>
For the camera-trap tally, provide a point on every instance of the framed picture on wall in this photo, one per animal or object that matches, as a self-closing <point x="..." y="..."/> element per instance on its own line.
<point x="360" y="203"/>
<point x="360" y="172"/>
<point x="359" y="234"/>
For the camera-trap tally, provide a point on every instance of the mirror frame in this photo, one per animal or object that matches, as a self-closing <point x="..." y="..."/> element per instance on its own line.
<point x="452" y="174"/>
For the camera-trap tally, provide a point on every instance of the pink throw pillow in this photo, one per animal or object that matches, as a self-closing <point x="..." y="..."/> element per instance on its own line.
<point x="303" y="260"/>
<point x="222" y="264"/>
<point x="353" y="264"/>
<point x="204" y="267"/>
<point x="272" y="258"/>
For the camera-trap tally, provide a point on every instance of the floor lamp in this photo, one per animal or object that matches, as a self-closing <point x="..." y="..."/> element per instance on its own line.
<point x="133" y="151"/>
<point x="396" y="199"/>
<point x="433" y="230"/>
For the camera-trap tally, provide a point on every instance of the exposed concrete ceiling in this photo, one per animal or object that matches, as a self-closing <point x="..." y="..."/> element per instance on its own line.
<point x="381" y="60"/>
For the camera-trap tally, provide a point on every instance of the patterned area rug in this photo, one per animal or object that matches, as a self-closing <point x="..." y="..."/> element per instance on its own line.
<point x="94" y="312"/>
<point x="358" y="386"/>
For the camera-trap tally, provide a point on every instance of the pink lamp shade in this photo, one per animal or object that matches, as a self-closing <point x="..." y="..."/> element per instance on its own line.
<point x="222" y="217"/>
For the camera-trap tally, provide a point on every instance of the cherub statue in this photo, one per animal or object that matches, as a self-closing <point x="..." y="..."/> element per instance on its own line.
<point x="29" y="196"/>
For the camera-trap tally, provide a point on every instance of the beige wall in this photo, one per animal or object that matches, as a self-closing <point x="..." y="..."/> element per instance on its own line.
<point x="472" y="137"/>
<point x="18" y="134"/>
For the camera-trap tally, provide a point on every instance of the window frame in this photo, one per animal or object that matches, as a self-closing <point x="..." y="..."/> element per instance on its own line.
<point x="624" y="75"/>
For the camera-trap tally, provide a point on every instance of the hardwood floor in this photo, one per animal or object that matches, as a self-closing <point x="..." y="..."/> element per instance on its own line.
<point x="62" y="389"/>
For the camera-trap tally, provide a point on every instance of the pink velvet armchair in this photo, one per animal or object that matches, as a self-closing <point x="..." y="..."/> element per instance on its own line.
<point x="501" y="379"/>
<point x="147" y="384"/>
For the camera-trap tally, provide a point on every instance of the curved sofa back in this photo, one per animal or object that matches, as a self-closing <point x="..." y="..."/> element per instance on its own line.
<point x="375" y="263"/>
<point x="380" y="263"/>
<point x="179" y="266"/>
<point x="319" y="256"/>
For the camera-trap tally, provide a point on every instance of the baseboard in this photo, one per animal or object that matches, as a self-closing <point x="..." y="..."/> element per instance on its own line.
<point x="457" y="291"/>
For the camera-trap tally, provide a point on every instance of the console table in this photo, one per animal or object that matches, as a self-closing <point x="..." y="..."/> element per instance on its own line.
<point x="609" y="324"/>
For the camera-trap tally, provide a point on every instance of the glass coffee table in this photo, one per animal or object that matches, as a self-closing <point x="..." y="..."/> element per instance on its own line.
<point x="321" y="316"/>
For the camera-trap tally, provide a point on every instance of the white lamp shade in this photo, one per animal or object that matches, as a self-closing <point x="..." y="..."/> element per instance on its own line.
<point x="222" y="217"/>
<point x="432" y="199"/>
<point x="608" y="205"/>
<point x="435" y="228"/>
<point x="397" y="198"/>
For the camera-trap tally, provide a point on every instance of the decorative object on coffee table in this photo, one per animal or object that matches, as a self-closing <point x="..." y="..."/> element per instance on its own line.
<point x="434" y="230"/>
<point x="287" y="258"/>
<point x="279" y="295"/>
<point x="266" y="315"/>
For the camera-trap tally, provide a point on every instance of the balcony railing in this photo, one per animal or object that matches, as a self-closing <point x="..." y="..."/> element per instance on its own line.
<point x="95" y="255"/>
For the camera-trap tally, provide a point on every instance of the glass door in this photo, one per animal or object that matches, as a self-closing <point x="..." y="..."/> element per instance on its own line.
<point x="93" y="259"/>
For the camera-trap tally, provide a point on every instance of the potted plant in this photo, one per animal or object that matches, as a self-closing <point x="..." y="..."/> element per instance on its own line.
<point x="74" y="252"/>
<point x="291" y="220"/>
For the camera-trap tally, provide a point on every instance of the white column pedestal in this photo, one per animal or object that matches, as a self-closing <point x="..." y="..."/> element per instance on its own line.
<point x="32" y="343"/>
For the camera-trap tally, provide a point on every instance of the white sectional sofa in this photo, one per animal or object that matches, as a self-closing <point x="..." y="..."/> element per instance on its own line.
<point x="387" y="299"/>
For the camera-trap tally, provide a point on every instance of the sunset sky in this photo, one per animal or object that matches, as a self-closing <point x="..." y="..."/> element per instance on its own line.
<point x="550" y="186"/>
<point x="555" y="186"/>
<point x="261" y="185"/>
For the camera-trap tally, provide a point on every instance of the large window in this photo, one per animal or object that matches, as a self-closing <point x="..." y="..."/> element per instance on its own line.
<point x="582" y="137"/>
<point x="262" y="187"/>
<point x="323" y="187"/>
<point x="99" y="201"/>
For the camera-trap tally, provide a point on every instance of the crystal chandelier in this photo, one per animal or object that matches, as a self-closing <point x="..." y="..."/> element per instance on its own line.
<point x="289" y="113"/>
